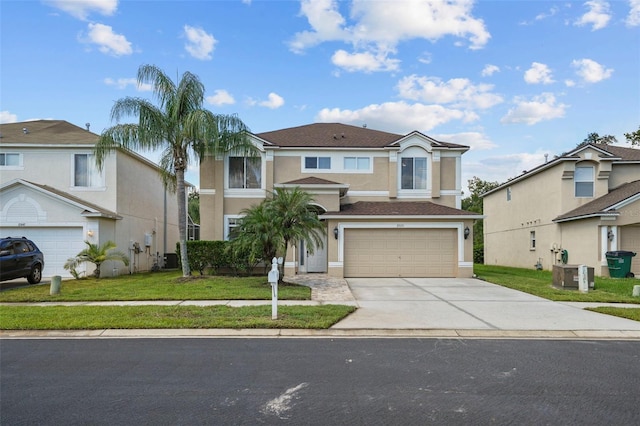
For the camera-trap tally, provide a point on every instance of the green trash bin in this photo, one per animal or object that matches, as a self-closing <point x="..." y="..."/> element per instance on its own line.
<point x="619" y="263"/>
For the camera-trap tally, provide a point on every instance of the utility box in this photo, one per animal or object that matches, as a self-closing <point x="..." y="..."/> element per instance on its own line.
<point x="170" y="261"/>
<point x="566" y="277"/>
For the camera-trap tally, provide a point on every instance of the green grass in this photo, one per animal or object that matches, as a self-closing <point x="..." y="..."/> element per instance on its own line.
<point x="157" y="286"/>
<point x="540" y="283"/>
<point x="154" y="317"/>
<point x="629" y="313"/>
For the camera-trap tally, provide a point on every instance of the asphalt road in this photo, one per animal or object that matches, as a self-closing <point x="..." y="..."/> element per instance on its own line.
<point x="319" y="381"/>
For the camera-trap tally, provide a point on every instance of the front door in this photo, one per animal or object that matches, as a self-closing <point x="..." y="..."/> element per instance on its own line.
<point x="316" y="261"/>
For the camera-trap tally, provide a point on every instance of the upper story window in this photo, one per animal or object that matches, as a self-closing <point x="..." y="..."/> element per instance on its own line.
<point x="584" y="181"/>
<point x="9" y="159"/>
<point x="317" y="163"/>
<point x="508" y="194"/>
<point x="532" y="240"/>
<point x="357" y="163"/>
<point x="245" y="172"/>
<point x="85" y="172"/>
<point x="414" y="173"/>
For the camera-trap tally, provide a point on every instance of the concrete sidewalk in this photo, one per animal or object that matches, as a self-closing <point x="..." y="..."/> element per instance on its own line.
<point x="404" y="307"/>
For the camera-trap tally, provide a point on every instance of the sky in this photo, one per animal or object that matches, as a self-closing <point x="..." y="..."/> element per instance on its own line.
<point x="514" y="80"/>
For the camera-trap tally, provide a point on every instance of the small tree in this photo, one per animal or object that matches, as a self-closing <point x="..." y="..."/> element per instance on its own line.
<point x="599" y="140"/>
<point x="97" y="255"/>
<point x="473" y="203"/>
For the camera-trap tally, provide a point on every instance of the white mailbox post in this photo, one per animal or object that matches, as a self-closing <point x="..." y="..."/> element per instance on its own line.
<point x="273" y="277"/>
<point x="583" y="279"/>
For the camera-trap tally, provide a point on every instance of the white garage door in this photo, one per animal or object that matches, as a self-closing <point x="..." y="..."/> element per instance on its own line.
<point x="57" y="244"/>
<point x="400" y="253"/>
<point x="630" y="241"/>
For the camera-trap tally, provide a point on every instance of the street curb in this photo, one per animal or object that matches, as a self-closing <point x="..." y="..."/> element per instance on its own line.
<point x="329" y="333"/>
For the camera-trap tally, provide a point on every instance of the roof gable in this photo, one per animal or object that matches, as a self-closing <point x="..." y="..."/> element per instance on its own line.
<point x="606" y="205"/>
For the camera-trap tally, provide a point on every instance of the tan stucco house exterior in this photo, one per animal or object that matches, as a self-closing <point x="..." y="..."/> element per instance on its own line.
<point x="52" y="193"/>
<point x="572" y="209"/>
<point x="391" y="203"/>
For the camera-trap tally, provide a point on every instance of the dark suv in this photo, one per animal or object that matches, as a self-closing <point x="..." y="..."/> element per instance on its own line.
<point x="20" y="258"/>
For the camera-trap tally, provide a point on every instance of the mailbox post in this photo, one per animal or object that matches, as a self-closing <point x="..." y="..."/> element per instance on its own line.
<point x="273" y="277"/>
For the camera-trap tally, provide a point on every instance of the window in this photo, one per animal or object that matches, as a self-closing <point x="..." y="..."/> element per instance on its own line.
<point x="10" y="159"/>
<point x="233" y="225"/>
<point x="583" y="178"/>
<point x="508" y="194"/>
<point x="532" y="240"/>
<point x="245" y="172"/>
<point x="317" y="163"/>
<point x="357" y="163"/>
<point x="414" y="173"/>
<point x="85" y="172"/>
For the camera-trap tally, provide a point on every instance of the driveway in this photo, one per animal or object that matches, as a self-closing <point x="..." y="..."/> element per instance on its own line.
<point x="465" y="304"/>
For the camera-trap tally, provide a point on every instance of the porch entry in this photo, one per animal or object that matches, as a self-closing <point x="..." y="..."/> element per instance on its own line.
<point x="312" y="262"/>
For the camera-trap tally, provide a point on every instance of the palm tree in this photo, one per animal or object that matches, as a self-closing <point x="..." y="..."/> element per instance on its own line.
<point x="97" y="255"/>
<point x="180" y="127"/>
<point x="295" y="218"/>
<point x="257" y="233"/>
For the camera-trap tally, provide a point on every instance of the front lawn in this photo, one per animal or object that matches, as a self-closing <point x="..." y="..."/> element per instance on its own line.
<point x="540" y="283"/>
<point x="157" y="286"/>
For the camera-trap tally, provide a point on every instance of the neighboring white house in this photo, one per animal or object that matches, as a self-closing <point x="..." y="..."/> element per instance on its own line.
<point x="52" y="193"/>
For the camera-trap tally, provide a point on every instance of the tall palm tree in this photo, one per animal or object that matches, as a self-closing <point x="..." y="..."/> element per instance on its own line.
<point x="97" y="255"/>
<point x="256" y="234"/>
<point x="179" y="126"/>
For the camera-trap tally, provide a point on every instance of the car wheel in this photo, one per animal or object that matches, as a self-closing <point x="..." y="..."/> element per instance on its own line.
<point x="36" y="274"/>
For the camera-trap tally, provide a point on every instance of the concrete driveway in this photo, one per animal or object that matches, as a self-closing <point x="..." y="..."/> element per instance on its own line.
<point x="465" y="304"/>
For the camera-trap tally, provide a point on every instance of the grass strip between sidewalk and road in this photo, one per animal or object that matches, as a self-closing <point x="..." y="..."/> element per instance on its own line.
<point x="168" y="317"/>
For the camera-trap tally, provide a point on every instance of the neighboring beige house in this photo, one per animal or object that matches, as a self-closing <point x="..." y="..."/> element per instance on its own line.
<point x="391" y="203"/>
<point x="584" y="203"/>
<point x="52" y="193"/>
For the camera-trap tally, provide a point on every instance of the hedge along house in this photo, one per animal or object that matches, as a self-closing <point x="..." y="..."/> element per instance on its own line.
<point x="571" y="209"/>
<point x="391" y="203"/>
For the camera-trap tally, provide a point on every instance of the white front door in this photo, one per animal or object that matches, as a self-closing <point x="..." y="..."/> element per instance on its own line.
<point x="316" y="262"/>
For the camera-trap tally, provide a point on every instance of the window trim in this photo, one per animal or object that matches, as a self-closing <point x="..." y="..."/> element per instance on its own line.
<point x="19" y="166"/>
<point x="227" y="224"/>
<point x="244" y="187"/>
<point x="317" y="160"/>
<point x="357" y="160"/>
<point x="91" y="167"/>
<point x="426" y="174"/>
<point x="591" y="181"/>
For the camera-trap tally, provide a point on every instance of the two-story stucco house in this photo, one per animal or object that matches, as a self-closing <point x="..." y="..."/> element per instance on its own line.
<point x="573" y="209"/>
<point x="52" y="193"/>
<point x="391" y="203"/>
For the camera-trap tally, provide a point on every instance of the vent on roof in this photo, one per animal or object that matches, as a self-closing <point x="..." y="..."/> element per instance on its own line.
<point x="88" y="125"/>
<point x="334" y="136"/>
<point x="343" y="136"/>
<point x="25" y="130"/>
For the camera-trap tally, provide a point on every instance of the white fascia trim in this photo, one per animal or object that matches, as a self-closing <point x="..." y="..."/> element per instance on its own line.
<point x="624" y="203"/>
<point x="603" y="216"/>
<point x="368" y="194"/>
<point x="373" y="218"/>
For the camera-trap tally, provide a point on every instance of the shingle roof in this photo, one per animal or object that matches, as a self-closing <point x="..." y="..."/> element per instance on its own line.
<point x="398" y="208"/>
<point x="602" y="205"/>
<point x="312" y="180"/>
<point x="625" y="154"/>
<point x="46" y="132"/>
<point x="335" y="135"/>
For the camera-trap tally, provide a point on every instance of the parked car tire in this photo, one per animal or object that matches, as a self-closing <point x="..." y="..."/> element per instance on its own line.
<point x="36" y="274"/>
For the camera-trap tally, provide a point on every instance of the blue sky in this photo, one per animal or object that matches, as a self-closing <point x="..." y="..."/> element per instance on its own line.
<point x="514" y="80"/>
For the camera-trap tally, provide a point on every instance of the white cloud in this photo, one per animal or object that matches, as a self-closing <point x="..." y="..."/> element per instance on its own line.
<point x="540" y="108"/>
<point x="7" y="117"/>
<point x="399" y="117"/>
<point x="199" y="44"/>
<point x="274" y="101"/>
<point x="538" y="74"/>
<point x="123" y="83"/>
<point x="221" y="97"/>
<point x="501" y="168"/>
<point x="633" y="19"/>
<point x="489" y="70"/>
<point x="377" y="28"/>
<point x="476" y="140"/>
<point x="590" y="71"/>
<point x="366" y="61"/>
<point x="459" y="92"/>
<point x="598" y="15"/>
<point x="108" y="42"/>
<point x="82" y="8"/>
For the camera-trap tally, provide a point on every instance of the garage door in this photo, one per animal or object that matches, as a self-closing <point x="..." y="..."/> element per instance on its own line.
<point x="57" y="244"/>
<point x="630" y="241"/>
<point x="400" y="253"/>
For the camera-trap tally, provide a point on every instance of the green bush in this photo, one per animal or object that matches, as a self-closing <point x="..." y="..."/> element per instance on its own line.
<point x="217" y="256"/>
